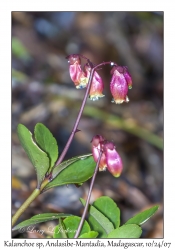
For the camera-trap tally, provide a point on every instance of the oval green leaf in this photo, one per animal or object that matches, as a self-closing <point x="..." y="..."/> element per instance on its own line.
<point x="90" y="235"/>
<point x="76" y="173"/>
<point x="71" y="225"/>
<point x="130" y="231"/>
<point x="38" y="158"/>
<point x="40" y="218"/>
<point x="109" y="208"/>
<point x="98" y="222"/>
<point x="66" y="163"/>
<point x="46" y="142"/>
<point x="142" y="217"/>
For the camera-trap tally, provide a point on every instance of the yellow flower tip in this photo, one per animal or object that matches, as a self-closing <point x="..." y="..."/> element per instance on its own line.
<point x="116" y="175"/>
<point x="120" y="101"/>
<point x="117" y="101"/>
<point x="95" y="97"/>
<point x="102" y="168"/>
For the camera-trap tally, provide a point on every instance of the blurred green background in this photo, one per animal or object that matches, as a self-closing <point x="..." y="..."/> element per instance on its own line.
<point x="42" y="91"/>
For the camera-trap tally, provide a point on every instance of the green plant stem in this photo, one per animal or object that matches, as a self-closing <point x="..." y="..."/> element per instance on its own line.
<point x="88" y="198"/>
<point x="29" y="200"/>
<point x="25" y="205"/>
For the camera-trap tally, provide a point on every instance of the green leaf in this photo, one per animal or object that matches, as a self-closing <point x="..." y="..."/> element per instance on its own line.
<point x="46" y="142"/>
<point x="60" y="230"/>
<point x="90" y="235"/>
<point x="66" y="163"/>
<point x="98" y="222"/>
<point x="126" y="231"/>
<point x="38" y="158"/>
<point x="109" y="208"/>
<point x="76" y="173"/>
<point x="71" y="225"/>
<point x="142" y="217"/>
<point x="40" y="218"/>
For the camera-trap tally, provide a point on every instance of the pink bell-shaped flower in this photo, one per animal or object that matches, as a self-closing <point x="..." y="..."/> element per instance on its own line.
<point x="76" y="73"/>
<point x="113" y="160"/>
<point x="97" y="146"/>
<point x="97" y="85"/>
<point x="119" y="84"/>
<point x="110" y="159"/>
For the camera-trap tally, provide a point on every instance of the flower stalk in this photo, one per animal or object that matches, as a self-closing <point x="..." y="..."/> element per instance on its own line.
<point x="88" y="198"/>
<point x="75" y="128"/>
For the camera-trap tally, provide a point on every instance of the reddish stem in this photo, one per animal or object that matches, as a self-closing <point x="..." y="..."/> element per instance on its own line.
<point x="88" y="197"/>
<point x="77" y="120"/>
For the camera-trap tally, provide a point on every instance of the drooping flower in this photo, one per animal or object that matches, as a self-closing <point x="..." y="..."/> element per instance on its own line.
<point x="76" y="73"/>
<point x="113" y="159"/>
<point x="97" y="85"/>
<point x="119" y="84"/>
<point x="97" y="146"/>
<point x="110" y="159"/>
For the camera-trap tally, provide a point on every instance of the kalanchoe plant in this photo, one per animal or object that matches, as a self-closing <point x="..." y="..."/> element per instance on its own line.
<point x="52" y="171"/>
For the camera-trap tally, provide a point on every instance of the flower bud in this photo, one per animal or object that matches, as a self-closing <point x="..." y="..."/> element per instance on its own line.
<point x="119" y="85"/>
<point x="76" y="73"/>
<point x="97" y="85"/>
<point x="97" y="147"/>
<point x="113" y="160"/>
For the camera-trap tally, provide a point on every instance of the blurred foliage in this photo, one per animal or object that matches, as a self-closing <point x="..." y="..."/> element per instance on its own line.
<point x="130" y="126"/>
<point x="19" y="50"/>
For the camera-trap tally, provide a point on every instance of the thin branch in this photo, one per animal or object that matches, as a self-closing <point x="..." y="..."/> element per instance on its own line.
<point x="77" y="120"/>
<point x="88" y="198"/>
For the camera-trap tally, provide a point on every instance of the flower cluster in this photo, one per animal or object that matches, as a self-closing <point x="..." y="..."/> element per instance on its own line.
<point x="81" y="77"/>
<point x="110" y="159"/>
<point x="121" y="80"/>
